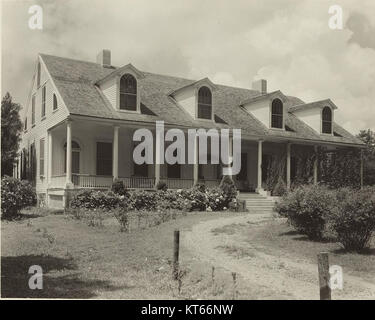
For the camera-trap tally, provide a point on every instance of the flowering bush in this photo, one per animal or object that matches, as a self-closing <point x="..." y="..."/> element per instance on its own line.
<point x="92" y="199"/>
<point x="15" y="195"/>
<point x="143" y="200"/>
<point x="353" y="219"/>
<point x="217" y="200"/>
<point x="161" y="185"/>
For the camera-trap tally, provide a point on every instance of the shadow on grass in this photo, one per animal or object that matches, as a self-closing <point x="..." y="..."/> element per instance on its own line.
<point x="15" y="279"/>
<point x="364" y="252"/>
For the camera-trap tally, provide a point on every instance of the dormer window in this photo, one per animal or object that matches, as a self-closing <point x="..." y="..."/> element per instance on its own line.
<point x="277" y="114"/>
<point x="327" y="120"/>
<point x="204" y="103"/>
<point x="128" y="92"/>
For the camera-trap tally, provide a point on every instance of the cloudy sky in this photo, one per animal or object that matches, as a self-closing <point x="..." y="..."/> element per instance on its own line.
<point x="287" y="42"/>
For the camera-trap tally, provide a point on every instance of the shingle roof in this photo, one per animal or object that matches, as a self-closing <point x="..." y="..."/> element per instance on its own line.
<point x="76" y="80"/>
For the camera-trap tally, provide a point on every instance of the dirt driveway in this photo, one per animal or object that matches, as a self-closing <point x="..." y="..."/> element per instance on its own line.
<point x="286" y="277"/>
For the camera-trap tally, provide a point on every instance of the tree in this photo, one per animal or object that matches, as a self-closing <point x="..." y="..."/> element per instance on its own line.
<point x="11" y="127"/>
<point x="368" y="137"/>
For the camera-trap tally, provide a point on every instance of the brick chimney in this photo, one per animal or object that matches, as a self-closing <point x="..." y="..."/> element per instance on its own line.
<point x="260" y="85"/>
<point x="104" y="58"/>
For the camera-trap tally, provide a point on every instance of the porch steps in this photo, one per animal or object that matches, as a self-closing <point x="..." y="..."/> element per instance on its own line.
<point x="257" y="203"/>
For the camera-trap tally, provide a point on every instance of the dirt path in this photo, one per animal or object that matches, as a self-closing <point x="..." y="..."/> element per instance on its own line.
<point x="284" y="276"/>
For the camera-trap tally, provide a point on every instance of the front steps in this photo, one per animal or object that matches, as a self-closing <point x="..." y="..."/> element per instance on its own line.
<point x="257" y="203"/>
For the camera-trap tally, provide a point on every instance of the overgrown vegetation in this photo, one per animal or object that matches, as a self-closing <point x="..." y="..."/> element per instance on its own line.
<point x="150" y="207"/>
<point x="348" y="212"/>
<point x="15" y="195"/>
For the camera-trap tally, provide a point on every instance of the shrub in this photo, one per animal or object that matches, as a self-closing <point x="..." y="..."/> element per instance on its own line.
<point x="307" y="208"/>
<point x="280" y="188"/>
<point x="216" y="199"/>
<point x="196" y="199"/>
<point x="122" y="217"/>
<point x="229" y="190"/>
<point x="353" y="220"/>
<point x="119" y="188"/>
<point x="92" y="199"/>
<point x="15" y="195"/>
<point x="200" y="187"/>
<point x="161" y="185"/>
<point x="143" y="200"/>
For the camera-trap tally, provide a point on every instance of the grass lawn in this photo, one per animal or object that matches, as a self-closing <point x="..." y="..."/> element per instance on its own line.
<point x="80" y="261"/>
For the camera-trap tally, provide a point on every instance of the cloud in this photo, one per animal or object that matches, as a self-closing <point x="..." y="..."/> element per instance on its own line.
<point x="231" y="42"/>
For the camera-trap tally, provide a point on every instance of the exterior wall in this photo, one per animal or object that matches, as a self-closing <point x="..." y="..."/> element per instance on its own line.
<point x="261" y="110"/>
<point x="187" y="100"/>
<point x="312" y="117"/>
<point x="109" y="90"/>
<point x="35" y="133"/>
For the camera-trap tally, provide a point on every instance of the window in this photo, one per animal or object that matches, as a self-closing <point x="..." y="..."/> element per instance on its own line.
<point x="128" y="93"/>
<point x="75" y="157"/>
<point x="104" y="158"/>
<point x="54" y="102"/>
<point x="204" y="103"/>
<point x="38" y="75"/>
<point x="33" y="110"/>
<point x="41" y="157"/>
<point x="44" y="101"/>
<point x="327" y="120"/>
<point x="25" y="124"/>
<point x="277" y="114"/>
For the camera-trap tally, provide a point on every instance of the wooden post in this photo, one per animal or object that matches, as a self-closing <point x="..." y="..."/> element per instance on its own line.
<point x="176" y="249"/>
<point x="323" y="269"/>
<point x="288" y="168"/>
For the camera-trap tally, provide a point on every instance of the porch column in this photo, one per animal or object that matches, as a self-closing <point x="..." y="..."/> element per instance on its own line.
<point x="260" y="154"/>
<point x="196" y="160"/>
<point x="316" y="165"/>
<point x="230" y="155"/>
<point x="69" y="154"/>
<point x="288" y="147"/>
<point x="115" y="153"/>
<point x="49" y="157"/>
<point x="361" y="169"/>
<point x="158" y="155"/>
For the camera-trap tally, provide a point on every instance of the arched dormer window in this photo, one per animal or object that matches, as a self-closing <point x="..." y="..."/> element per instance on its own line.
<point x="204" y="103"/>
<point x="128" y="92"/>
<point x="54" y="102"/>
<point x="327" y="120"/>
<point x="277" y="114"/>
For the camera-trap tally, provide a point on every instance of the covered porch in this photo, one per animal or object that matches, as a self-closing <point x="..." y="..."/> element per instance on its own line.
<point x="86" y="154"/>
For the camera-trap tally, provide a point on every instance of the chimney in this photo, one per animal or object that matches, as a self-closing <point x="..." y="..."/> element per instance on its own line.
<point x="260" y="85"/>
<point x="104" y="58"/>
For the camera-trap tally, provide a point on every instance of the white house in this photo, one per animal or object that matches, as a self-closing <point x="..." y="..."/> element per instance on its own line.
<point x="81" y="116"/>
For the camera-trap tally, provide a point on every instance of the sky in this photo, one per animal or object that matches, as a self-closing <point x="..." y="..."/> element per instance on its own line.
<point x="233" y="42"/>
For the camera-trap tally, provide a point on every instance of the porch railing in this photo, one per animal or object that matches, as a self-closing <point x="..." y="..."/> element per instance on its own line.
<point x="178" y="183"/>
<point x="91" y="181"/>
<point x="138" y="182"/>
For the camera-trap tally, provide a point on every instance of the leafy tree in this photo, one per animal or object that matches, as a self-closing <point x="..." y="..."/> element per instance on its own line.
<point x="11" y="127"/>
<point x="368" y="137"/>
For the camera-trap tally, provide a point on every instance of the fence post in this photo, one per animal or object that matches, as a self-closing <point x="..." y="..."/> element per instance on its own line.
<point x="176" y="249"/>
<point x="323" y="269"/>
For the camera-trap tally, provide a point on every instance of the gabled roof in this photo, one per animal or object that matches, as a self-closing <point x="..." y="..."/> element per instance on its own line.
<point x="196" y="84"/>
<point x="76" y="83"/>
<point x="315" y="104"/>
<point x="120" y="71"/>
<point x="270" y="95"/>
